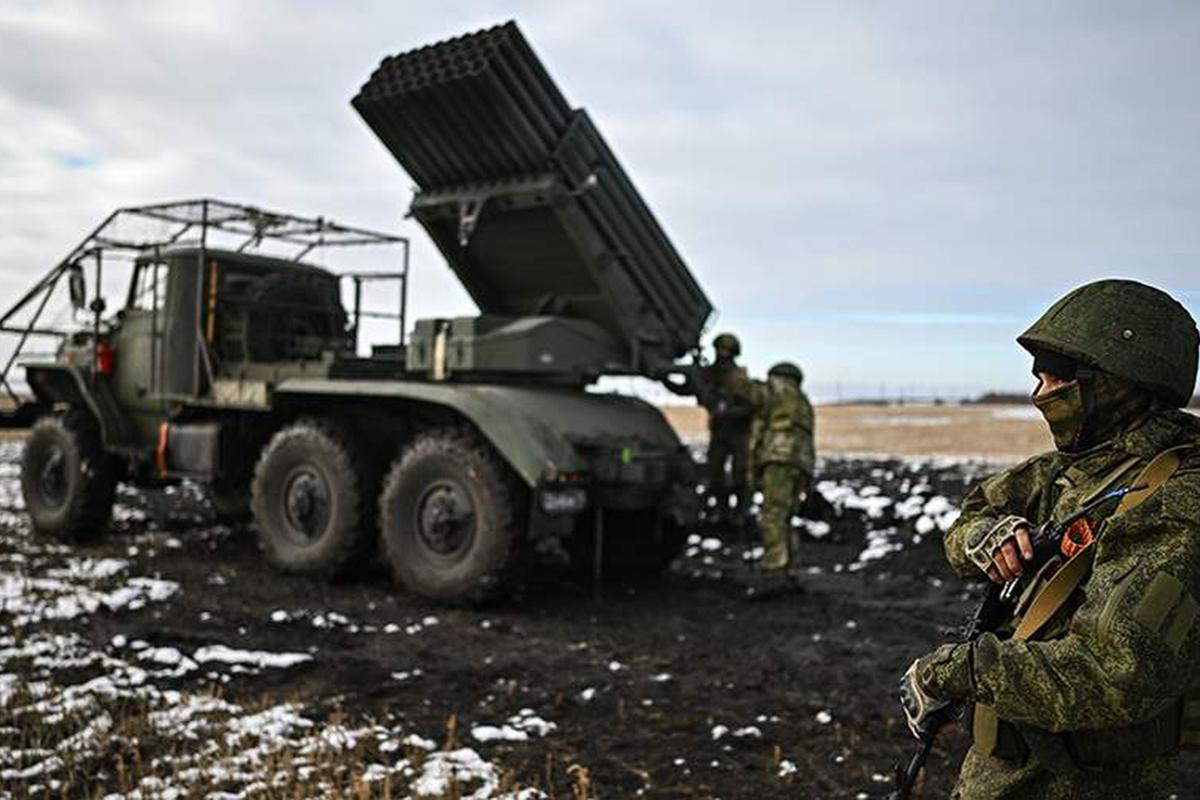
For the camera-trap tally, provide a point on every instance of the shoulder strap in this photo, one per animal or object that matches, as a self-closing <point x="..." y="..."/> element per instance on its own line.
<point x="1156" y="473"/>
<point x="1055" y="593"/>
<point x="1059" y="589"/>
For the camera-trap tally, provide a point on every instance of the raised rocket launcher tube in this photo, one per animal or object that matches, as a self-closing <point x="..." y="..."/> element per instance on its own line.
<point x="525" y="199"/>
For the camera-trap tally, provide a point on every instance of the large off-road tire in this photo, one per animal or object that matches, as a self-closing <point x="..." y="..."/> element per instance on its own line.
<point x="310" y="498"/>
<point x="67" y="479"/>
<point x="453" y="520"/>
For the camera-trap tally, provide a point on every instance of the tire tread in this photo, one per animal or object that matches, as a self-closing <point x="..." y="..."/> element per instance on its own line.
<point x="87" y="520"/>
<point x="471" y="455"/>
<point x="319" y="432"/>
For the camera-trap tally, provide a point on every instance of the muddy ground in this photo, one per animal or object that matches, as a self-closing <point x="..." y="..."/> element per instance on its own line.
<point x="671" y="687"/>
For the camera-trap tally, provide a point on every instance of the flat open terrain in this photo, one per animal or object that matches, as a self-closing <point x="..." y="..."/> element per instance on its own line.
<point x="1006" y="433"/>
<point x="166" y="660"/>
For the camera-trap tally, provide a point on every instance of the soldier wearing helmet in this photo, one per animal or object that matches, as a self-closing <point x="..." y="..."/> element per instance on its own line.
<point x="724" y="389"/>
<point x="781" y="448"/>
<point x="1083" y="689"/>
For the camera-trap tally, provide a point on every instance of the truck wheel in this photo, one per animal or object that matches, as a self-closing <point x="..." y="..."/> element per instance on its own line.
<point x="452" y="520"/>
<point x="308" y="502"/>
<point x="67" y="479"/>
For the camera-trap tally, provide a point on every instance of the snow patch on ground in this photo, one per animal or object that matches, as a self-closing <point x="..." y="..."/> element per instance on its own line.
<point x="521" y="727"/>
<point x="66" y="702"/>
<point x="463" y="770"/>
<point x="256" y="658"/>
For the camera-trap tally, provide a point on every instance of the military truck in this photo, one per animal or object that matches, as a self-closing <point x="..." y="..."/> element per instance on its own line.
<point x="238" y="356"/>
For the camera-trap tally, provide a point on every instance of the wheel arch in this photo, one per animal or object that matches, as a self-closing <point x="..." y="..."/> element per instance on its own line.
<point x="523" y="442"/>
<point x="64" y="384"/>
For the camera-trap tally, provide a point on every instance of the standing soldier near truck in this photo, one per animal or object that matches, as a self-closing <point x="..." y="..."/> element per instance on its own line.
<point x="1086" y="687"/>
<point x="726" y="393"/>
<point x="782" y="462"/>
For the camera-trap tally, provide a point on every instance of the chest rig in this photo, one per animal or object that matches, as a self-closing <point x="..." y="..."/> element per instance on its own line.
<point x="1054" y="588"/>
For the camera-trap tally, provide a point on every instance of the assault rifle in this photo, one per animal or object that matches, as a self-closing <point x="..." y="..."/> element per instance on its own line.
<point x="993" y="609"/>
<point x="692" y="384"/>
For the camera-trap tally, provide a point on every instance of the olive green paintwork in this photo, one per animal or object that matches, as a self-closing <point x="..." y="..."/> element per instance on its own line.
<point x="543" y="348"/>
<point x="536" y="430"/>
<point x="526" y="200"/>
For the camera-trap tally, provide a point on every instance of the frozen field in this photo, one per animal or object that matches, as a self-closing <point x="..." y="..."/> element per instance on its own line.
<point x="169" y="662"/>
<point x="996" y="433"/>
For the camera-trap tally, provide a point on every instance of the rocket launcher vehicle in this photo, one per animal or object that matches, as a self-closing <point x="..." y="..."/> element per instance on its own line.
<point x="571" y="271"/>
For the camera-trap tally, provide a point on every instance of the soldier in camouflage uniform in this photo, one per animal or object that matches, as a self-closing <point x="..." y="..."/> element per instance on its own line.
<point x="1097" y="702"/>
<point x="781" y="460"/>
<point x="724" y="389"/>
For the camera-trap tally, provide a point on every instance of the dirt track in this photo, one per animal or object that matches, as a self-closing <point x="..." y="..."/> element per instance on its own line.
<point x="669" y="688"/>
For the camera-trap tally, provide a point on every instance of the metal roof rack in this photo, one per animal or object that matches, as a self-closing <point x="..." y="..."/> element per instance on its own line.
<point x="134" y="232"/>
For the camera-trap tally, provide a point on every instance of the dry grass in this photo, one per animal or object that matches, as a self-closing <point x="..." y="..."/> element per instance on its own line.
<point x="128" y="755"/>
<point x="995" y="432"/>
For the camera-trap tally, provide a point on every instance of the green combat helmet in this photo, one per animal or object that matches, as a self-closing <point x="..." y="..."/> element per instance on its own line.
<point x="786" y="369"/>
<point x="728" y="342"/>
<point x="1127" y="329"/>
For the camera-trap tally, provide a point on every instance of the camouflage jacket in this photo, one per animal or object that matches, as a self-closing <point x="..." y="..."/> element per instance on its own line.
<point x="782" y="431"/>
<point x="1125" y="648"/>
<point x="726" y="391"/>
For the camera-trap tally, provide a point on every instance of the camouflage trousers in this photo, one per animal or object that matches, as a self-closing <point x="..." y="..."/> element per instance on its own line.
<point x="724" y="447"/>
<point x="781" y="485"/>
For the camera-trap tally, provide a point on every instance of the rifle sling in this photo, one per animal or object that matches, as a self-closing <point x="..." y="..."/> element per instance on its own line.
<point x="1059" y="589"/>
<point x="986" y="728"/>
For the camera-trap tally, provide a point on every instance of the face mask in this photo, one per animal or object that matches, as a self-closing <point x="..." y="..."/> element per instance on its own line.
<point x="1065" y="413"/>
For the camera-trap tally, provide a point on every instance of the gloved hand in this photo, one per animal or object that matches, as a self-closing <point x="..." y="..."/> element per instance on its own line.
<point x="932" y="684"/>
<point x="1002" y="551"/>
<point x="919" y="707"/>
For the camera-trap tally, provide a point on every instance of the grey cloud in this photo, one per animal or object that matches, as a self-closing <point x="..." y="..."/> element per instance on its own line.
<point x="808" y="158"/>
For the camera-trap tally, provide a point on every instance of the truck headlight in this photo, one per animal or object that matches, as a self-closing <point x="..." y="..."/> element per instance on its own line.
<point x="564" y="501"/>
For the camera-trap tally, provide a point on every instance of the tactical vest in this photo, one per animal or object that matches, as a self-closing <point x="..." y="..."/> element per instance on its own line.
<point x="783" y="430"/>
<point x="727" y="388"/>
<point x="1053" y="588"/>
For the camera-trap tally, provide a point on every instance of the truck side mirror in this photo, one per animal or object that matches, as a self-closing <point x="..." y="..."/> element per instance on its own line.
<point x="76" y="286"/>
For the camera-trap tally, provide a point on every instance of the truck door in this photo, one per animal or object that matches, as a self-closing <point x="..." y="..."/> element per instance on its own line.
<point x="155" y="342"/>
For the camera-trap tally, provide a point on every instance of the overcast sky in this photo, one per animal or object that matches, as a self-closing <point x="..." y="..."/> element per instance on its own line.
<point x="886" y="193"/>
